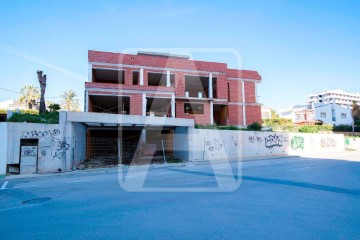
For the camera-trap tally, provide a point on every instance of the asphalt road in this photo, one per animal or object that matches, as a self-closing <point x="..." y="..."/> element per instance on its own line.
<point x="288" y="198"/>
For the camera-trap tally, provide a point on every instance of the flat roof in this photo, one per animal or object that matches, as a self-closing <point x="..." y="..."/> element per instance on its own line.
<point x="158" y="54"/>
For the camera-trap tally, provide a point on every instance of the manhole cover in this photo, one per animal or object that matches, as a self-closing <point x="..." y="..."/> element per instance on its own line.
<point x="36" y="200"/>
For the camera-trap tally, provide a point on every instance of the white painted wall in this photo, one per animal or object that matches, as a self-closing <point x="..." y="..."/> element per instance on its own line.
<point x="61" y="146"/>
<point x="3" y="147"/>
<point x="352" y="143"/>
<point x="326" y="108"/>
<point x="52" y="146"/>
<point x="213" y="145"/>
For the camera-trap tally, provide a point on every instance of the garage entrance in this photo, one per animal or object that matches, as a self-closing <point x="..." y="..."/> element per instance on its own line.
<point x="107" y="147"/>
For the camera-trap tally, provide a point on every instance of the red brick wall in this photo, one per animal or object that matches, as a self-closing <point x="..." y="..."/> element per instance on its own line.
<point x="235" y="91"/>
<point x="127" y="87"/>
<point x="235" y="114"/>
<point x="222" y="87"/>
<point x="199" y="118"/>
<point x="246" y="74"/>
<point x="128" y="76"/>
<point x="136" y="104"/>
<point x="154" y="61"/>
<point x="249" y="92"/>
<point x="179" y="85"/>
<point x="253" y="114"/>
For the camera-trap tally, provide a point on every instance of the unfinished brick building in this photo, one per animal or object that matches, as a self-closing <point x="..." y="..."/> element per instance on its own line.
<point x="172" y="86"/>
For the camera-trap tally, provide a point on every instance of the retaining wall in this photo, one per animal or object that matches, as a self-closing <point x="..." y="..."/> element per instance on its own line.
<point x="207" y="144"/>
<point x="3" y="148"/>
<point x="61" y="147"/>
<point x="352" y="143"/>
<point x="52" y="146"/>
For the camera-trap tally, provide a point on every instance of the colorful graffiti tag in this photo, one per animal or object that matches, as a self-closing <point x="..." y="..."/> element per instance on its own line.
<point x="297" y="142"/>
<point x="274" y="141"/>
<point x="328" y="142"/>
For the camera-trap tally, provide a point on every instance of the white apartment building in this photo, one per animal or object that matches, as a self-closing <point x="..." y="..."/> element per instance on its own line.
<point x="338" y="97"/>
<point x="328" y="113"/>
<point x="331" y="107"/>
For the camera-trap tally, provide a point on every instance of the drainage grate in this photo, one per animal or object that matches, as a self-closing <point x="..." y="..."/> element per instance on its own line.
<point x="37" y="200"/>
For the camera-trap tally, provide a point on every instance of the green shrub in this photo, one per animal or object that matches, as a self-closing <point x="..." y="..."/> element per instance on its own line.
<point x="230" y="128"/>
<point x="325" y="127"/>
<point x="54" y="107"/>
<point x="3" y="111"/>
<point x="342" y="128"/>
<point x="345" y="128"/>
<point x="50" y="118"/>
<point x="308" y="129"/>
<point x="255" y="126"/>
<point x="357" y="123"/>
<point x="200" y="126"/>
<point x="29" y="111"/>
<point x="277" y="122"/>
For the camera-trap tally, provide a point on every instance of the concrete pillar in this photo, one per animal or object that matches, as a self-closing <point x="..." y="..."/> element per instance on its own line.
<point x="144" y="104"/>
<point x="243" y="102"/>
<point x="210" y="95"/>
<point x="173" y="106"/>
<point x="141" y="76"/>
<point x="211" y="113"/>
<point x="86" y="101"/>
<point x="143" y="136"/>
<point x="168" y="84"/>
<point x="90" y="73"/>
<point x="63" y="127"/>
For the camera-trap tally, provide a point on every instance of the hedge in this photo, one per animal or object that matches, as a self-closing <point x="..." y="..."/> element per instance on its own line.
<point x="49" y="118"/>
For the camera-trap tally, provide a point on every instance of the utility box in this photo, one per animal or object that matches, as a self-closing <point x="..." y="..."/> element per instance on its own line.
<point x="28" y="159"/>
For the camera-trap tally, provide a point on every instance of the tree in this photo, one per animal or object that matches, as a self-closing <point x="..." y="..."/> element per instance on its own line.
<point x="274" y="114"/>
<point x="355" y="114"/>
<point x="42" y="81"/>
<point x="54" y="107"/>
<point x="70" y="103"/>
<point x="29" y="94"/>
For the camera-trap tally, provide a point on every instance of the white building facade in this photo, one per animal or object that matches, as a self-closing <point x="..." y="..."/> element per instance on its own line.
<point x="338" y="97"/>
<point x="330" y="107"/>
<point x="333" y="114"/>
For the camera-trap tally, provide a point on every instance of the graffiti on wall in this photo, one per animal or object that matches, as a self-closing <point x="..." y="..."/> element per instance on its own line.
<point x="62" y="147"/>
<point x="48" y="134"/>
<point x="234" y="140"/>
<point x="28" y="151"/>
<point x="297" y="142"/>
<point x="215" y="145"/>
<point x="274" y="141"/>
<point x="43" y="153"/>
<point x="254" y="139"/>
<point x="328" y="142"/>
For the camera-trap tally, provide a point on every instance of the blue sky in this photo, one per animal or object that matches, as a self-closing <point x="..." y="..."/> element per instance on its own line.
<point x="298" y="47"/>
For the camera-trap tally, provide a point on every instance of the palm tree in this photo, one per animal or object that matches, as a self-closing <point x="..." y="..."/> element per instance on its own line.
<point x="29" y="94"/>
<point x="70" y="103"/>
<point x="355" y="113"/>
